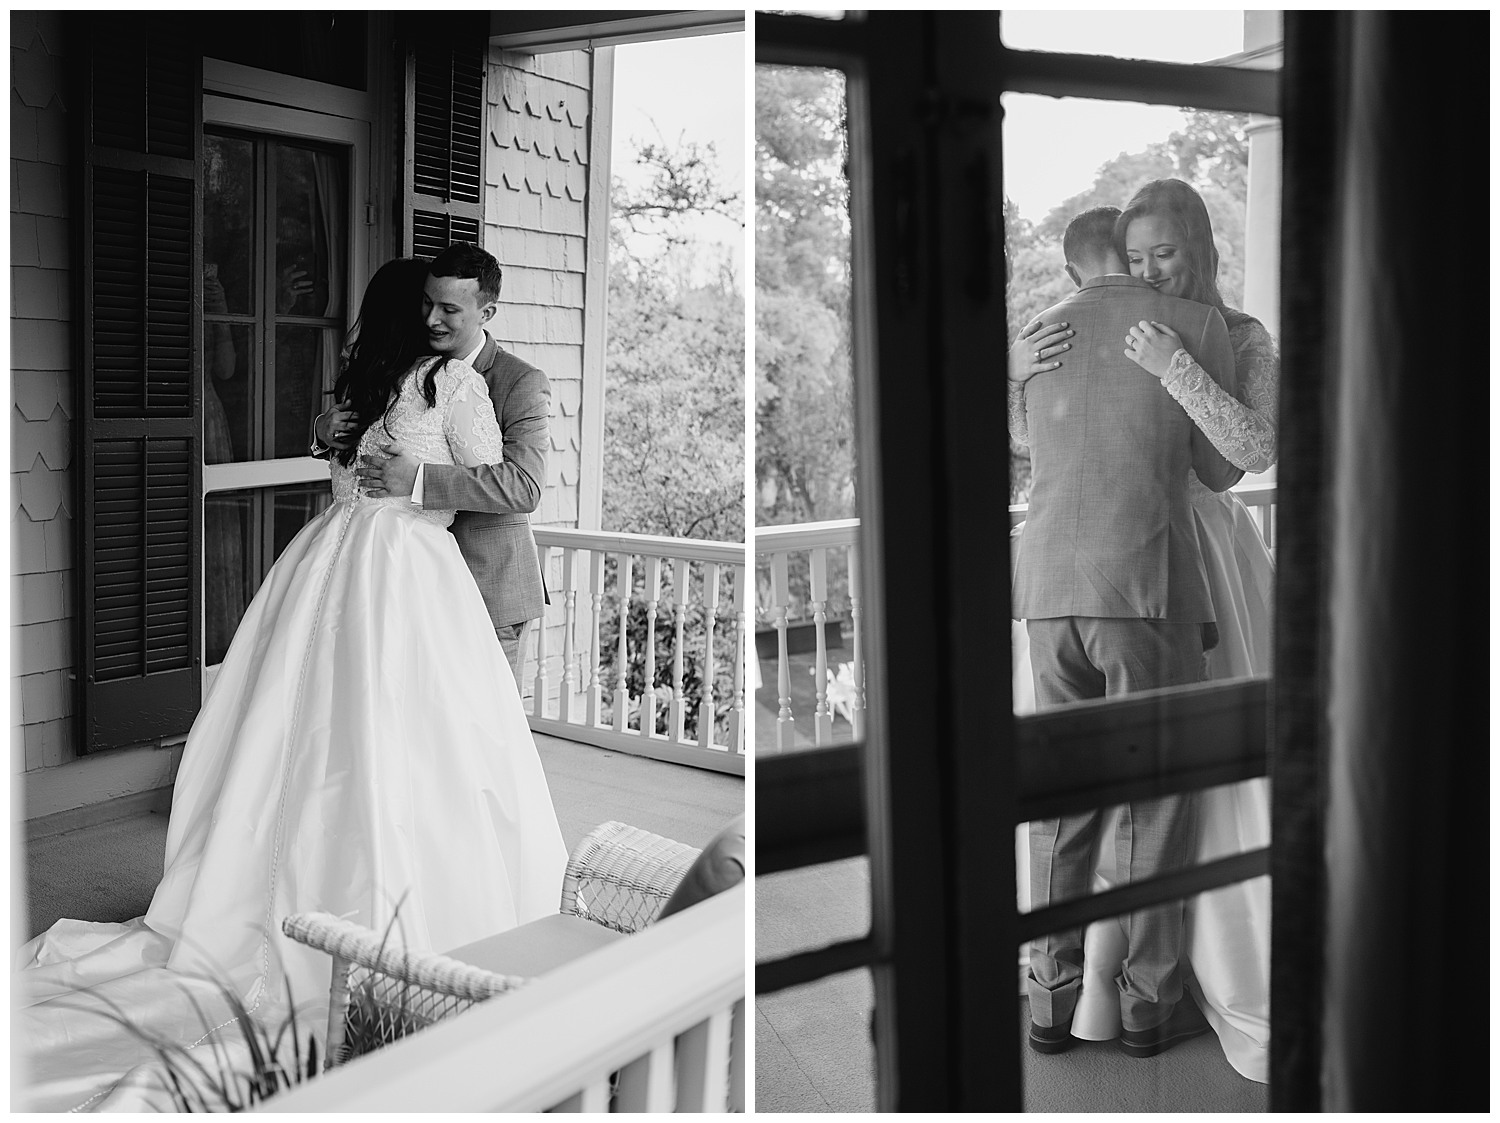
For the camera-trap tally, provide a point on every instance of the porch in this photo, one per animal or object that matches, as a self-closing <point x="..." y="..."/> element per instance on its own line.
<point x="106" y="870"/>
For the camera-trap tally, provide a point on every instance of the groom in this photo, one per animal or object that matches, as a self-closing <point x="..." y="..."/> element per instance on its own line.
<point x="494" y="500"/>
<point x="1113" y="588"/>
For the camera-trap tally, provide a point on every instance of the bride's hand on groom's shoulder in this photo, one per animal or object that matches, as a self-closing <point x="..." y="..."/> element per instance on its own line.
<point x="1151" y="346"/>
<point x="1037" y="350"/>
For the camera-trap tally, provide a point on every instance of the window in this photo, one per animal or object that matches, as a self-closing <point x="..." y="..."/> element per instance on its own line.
<point x="942" y="776"/>
<point x="281" y="258"/>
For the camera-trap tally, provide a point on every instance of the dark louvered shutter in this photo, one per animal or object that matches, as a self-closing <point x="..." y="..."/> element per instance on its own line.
<point x="445" y="142"/>
<point x="140" y="534"/>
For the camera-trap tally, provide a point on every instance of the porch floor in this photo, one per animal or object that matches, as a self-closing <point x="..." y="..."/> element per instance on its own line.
<point x="108" y="871"/>
<point x="812" y="1043"/>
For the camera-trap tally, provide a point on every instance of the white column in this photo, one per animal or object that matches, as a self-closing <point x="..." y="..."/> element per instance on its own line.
<point x="1263" y="194"/>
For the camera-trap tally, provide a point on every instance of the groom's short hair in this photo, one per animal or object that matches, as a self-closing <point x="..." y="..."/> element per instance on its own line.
<point x="467" y="261"/>
<point x="1090" y="235"/>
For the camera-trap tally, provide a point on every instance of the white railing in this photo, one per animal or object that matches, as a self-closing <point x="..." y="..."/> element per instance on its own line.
<point x="657" y="1019"/>
<point x="576" y="666"/>
<point x="776" y="549"/>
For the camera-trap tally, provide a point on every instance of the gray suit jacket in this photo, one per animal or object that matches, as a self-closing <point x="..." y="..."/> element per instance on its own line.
<point x="1110" y="531"/>
<point x="493" y="500"/>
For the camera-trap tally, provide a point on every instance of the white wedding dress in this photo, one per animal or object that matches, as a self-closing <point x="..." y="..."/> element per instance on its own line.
<point x="363" y="752"/>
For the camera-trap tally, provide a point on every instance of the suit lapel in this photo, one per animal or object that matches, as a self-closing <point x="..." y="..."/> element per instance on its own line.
<point x="487" y="355"/>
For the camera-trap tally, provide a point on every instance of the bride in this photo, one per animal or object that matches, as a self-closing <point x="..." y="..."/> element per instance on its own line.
<point x="362" y="752"/>
<point x="1165" y="235"/>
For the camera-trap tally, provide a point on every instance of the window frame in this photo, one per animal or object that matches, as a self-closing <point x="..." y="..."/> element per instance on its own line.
<point x="294" y="125"/>
<point x="925" y="1032"/>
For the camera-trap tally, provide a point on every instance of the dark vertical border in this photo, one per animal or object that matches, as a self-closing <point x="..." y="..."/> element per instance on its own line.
<point x="1312" y="81"/>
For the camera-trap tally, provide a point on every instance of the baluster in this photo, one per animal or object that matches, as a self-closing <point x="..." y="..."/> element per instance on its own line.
<point x="737" y="1059"/>
<point x="592" y="1097"/>
<point x="710" y="667"/>
<point x="648" y="1083"/>
<point x="623" y="577"/>
<point x="743" y="643"/>
<point x="539" y="684"/>
<point x="677" y="710"/>
<point x="741" y="649"/>
<point x="570" y="621"/>
<point x="780" y="601"/>
<point x="822" y="710"/>
<point x="859" y="649"/>
<point x="596" y="657"/>
<point x="653" y="598"/>
<point x="703" y="1065"/>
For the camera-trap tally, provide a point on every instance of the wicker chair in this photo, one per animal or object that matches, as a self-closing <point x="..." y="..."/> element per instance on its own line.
<point x="617" y="880"/>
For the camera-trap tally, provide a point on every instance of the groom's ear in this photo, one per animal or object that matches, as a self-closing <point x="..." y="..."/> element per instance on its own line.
<point x="487" y="313"/>
<point x="1073" y="276"/>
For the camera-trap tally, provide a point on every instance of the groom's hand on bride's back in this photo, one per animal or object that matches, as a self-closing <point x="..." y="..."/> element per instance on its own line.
<point x="390" y="472"/>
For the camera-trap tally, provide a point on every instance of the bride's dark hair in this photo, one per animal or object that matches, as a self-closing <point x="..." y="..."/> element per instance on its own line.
<point x="1177" y="202"/>
<point x="387" y="339"/>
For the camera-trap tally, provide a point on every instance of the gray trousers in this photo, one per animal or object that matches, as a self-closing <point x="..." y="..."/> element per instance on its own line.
<point x="1075" y="658"/>
<point x="510" y="637"/>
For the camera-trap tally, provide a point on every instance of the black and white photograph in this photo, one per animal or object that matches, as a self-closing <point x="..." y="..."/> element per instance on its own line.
<point x="1132" y="314"/>
<point x="532" y="528"/>
<point x="379" y="567"/>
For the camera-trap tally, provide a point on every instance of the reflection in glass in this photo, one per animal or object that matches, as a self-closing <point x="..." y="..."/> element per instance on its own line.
<point x="810" y="677"/>
<point x="275" y="289"/>
<point x="228" y="215"/>
<point x="310" y="232"/>
<point x="227" y="417"/>
<point x="306" y="362"/>
<point x="244" y="533"/>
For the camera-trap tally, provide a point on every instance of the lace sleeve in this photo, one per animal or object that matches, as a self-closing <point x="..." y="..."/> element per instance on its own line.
<point x="473" y="433"/>
<point x="1015" y="393"/>
<point x="1243" y="429"/>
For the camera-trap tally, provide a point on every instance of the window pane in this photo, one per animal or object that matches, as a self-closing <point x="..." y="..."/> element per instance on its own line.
<point x="228" y="415"/>
<point x="810" y="678"/>
<point x="227" y="518"/>
<point x="244" y="532"/>
<point x="1226" y="167"/>
<point x="1227" y="37"/>
<point x="1089" y="1070"/>
<point x="311" y="238"/>
<point x="813" y="1049"/>
<point x="1232" y="162"/>
<point x="228" y="225"/>
<point x="306" y="364"/>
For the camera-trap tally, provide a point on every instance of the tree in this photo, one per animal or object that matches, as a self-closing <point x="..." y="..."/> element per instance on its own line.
<point x="674" y="429"/>
<point x="804" y="418"/>
<point x="674" y="434"/>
